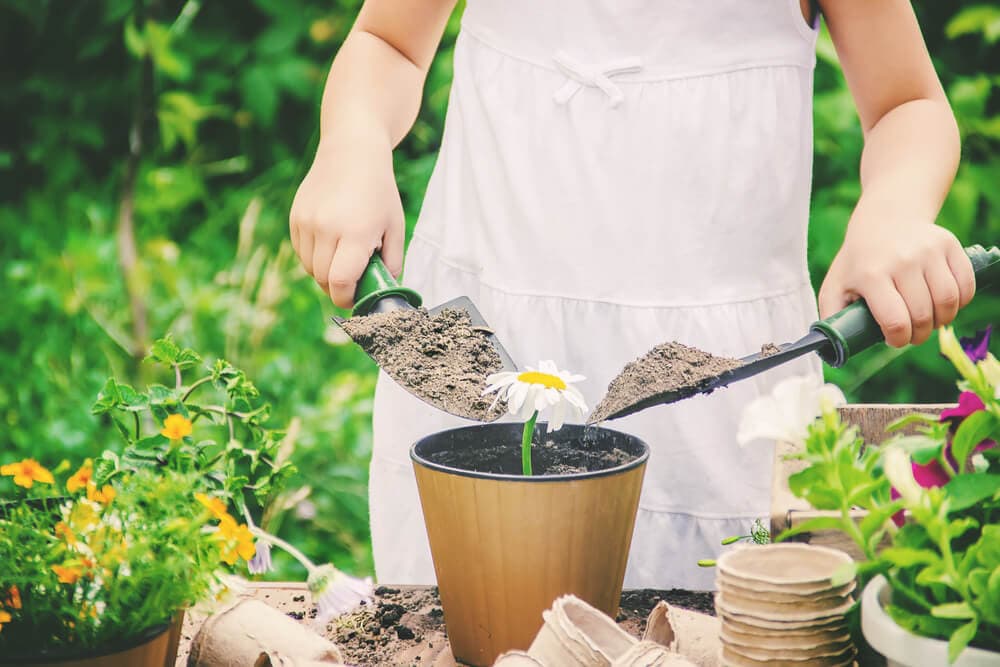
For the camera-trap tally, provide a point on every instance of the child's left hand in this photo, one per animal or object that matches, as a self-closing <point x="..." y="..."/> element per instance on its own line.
<point x="913" y="276"/>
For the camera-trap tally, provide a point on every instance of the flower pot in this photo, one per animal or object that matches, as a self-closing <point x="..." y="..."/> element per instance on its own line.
<point x="902" y="648"/>
<point x="156" y="647"/>
<point x="506" y="546"/>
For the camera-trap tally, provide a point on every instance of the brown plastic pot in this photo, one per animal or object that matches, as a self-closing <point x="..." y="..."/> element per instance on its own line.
<point x="157" y="647"/>
<point x="506" y="546"/>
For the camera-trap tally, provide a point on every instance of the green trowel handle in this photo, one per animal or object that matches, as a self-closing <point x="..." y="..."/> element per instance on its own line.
<point x="377" y="284"/>
<point x="854" y="329"/>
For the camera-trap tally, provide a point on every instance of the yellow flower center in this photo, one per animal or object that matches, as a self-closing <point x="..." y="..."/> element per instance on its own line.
<point x="547" y="380"/>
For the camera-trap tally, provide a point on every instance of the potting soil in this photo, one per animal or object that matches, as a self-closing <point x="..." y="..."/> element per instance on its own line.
<point x="668" y="367"/>
<point x="441" y="358"/>
<point x="547" y="458"/>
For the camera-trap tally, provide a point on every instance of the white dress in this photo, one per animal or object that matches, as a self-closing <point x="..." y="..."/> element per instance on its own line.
<point x="615" y="174"/>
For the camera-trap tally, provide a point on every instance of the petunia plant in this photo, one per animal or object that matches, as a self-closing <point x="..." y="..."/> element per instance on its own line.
<point x="119" y="544"/>
<point x="931" y="498"/>
<point x="528" y="393"/>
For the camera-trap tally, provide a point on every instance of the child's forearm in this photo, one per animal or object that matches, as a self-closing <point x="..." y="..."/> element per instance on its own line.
<point x="372" y="94"/>
<point x="909" y="162"/>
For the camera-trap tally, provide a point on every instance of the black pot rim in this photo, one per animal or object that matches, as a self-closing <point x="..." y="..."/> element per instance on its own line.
<point x="640" y="460"/>
<point x="67" y="654"/>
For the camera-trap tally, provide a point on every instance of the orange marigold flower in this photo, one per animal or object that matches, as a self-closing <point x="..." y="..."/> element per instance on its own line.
<point x="176" y="427"/>
<point x="214" y="505"/>
<point x="81" y="478"/>
<point x="13" y="598"/>
<point x="237" y="541"/>
<point x="4" y="618"/>
<point x="65" y="532"/>
<point x="67" y="575"/>
<point x="27" y="472"/>
<point x="103" y="496"/>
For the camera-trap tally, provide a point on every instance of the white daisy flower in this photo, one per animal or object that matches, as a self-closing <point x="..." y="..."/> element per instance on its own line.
<point x="534" y="390"/>
<point x="336" y="593"/>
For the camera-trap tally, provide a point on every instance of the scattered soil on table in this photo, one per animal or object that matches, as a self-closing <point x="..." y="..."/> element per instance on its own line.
<point x="768" y="349"/>
<point x="441" y="358"/>
<point x="669" y="367"/>
<point x="548" y="458"/>
<point x="402" y="624"/>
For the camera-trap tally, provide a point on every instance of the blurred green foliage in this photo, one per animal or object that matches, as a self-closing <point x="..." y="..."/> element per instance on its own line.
<point x="217" y="105"/>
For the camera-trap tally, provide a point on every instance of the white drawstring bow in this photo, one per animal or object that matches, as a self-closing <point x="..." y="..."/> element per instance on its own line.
<point x="598" y="76"/>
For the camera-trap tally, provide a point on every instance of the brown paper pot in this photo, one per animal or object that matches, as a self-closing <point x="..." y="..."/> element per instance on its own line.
<point x="782" y="639"/>
<point x="773" y="593"/>
<point x="827" y="623"/>
<point x="506" y="546"/>
<point x="789" y="567"/>
<point x="732" y="658"/>
<point x="783" y="611"/>
<point x="149" y="649"/>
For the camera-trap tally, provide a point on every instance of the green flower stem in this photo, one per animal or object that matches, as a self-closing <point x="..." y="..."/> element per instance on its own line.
<point x="207" y="378"/>
<point x="280" y="543"/>
<point x="529" y="430"/>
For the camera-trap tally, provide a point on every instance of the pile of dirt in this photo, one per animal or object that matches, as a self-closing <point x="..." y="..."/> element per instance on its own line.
<point x="669" y="367"/>
<point x="406" y="626"/>
<point x="441" y="358"/>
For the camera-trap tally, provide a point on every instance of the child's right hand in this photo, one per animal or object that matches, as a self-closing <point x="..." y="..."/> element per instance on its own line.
<point x="345" y="209"/>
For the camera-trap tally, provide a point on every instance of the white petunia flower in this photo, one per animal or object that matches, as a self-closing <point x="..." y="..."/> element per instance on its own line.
<point x="537" y="389"/>
<point x="899" y="469"/>
<point x="336" y="593"/>
<point x="786" y="413"/>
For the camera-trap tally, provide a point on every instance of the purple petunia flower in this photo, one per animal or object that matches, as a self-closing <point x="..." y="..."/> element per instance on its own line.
<point x="977" y="345"/>
<point x="968" y="403"/>
<point x="261" y="561"/>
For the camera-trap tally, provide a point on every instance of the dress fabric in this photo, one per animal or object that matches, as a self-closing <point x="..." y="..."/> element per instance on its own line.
<point x="615" y="174"/>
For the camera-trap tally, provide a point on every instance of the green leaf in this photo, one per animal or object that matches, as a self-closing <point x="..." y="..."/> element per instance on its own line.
<point x="164" y="351"/>
<point x="957" y="610"/>
<point x="974" y="429"/>
<point x="961" y="638"/>
<point x="982" y="19"/>
<point x="162" y="395"/>
<point x="135" y="42"/>
<point x="967" y="490"/>
<point x="844" y="574"/>
<point x="907" y="557"/>
<point x="107" y="399"/>
<point x="913" y="418"/>
<point x="131" y="400"/>
<point x="921" y="448"/>
<point x="813" y="525"/>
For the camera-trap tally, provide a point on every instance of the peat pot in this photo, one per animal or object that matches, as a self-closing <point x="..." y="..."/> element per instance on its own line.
<point x="157" y="647"/>
<point x="902" y="648"/>
<point x="506" y="546"/>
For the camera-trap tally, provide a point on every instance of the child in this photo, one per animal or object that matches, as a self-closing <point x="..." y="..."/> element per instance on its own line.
<point x="618" y="174"/>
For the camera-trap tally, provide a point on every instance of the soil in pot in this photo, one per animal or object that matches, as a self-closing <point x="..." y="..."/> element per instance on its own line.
<point x="668" y="367"/>
<point x="442" y="358"/>
<point x="549" y="458"/>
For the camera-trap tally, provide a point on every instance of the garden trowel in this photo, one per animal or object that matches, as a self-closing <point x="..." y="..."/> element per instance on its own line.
<point x="836" y="339"/>
<point x="379" y="292"/>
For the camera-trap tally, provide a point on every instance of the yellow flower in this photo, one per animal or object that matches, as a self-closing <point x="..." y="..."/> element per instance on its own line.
<point x="237" y="541"/>
<point x="65" y="532"/>
<point x="4" y="618"/>
<point x="67" y="575"/>
<point x="103" y="496"/>
<point x="14" y="598"/>
<point x="176" y="427"/>
<point x="27" y="472"/>
<point x="214" y="505"/>
<point x="81" y="478"/>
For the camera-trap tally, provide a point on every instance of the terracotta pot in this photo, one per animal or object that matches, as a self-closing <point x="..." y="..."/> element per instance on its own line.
<point x="506" y="546"/>
<point x="153" y="648"/>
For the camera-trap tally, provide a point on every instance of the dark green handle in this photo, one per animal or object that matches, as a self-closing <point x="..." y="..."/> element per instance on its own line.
<point x="854" y="329"/>
<point x="376" y="284"/>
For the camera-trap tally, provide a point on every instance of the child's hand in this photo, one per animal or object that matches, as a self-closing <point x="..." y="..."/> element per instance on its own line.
<point x="914" y="278"/>
<point x="346" y="208"/>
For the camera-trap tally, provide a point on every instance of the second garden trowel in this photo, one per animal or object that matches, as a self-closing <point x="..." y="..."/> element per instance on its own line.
<point x="379" y="292"/>
<point x="835" y="339"/>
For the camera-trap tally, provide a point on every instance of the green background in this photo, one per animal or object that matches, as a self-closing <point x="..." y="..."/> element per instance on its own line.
<point x="226" y="96"/>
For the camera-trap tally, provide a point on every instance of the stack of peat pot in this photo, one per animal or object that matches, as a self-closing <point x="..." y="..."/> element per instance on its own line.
<point x="778" y="606"/>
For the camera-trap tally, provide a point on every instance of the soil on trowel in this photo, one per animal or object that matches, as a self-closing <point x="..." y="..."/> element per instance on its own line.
<point x="441" y="358"/>
<point x="405" y="626"/>
<point x="769" y="349"/>
<point x="669" y="367"/>
<point x="547" y="458"/>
